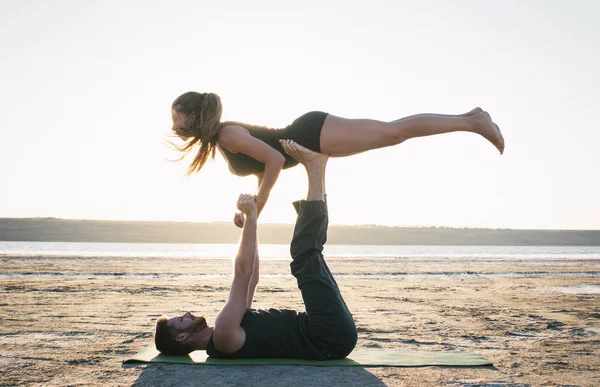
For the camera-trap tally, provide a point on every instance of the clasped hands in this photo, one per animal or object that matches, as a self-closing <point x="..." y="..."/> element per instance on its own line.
<point x="248" y="206"/>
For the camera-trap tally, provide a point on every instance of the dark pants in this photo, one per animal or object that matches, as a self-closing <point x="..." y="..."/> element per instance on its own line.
<point x="330" y="324"/>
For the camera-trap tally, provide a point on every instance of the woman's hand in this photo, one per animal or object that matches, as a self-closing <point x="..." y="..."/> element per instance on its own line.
<point x="261" y="200"/>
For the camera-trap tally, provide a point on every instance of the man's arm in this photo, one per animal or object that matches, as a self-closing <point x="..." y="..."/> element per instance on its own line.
<point x="256" y="273"/>
<point x="229" y="336"/>
<point x="238" y="219"/>
<point x="254" y="279"/>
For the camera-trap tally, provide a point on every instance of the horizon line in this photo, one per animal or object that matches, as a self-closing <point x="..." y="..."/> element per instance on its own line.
<point x="291" y="224"/>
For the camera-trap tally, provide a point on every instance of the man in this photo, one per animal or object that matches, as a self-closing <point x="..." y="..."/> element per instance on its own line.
<point x="326" y="330"/>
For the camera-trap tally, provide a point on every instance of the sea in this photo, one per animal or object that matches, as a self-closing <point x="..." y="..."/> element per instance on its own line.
<point x="281" y="252"/>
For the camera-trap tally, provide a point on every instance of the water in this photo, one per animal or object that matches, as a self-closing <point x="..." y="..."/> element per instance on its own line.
<point x="275" y="252"/>
<point x="594" y="274"/>
<point x="281" y="252"/>
<point x="583" y="289"/>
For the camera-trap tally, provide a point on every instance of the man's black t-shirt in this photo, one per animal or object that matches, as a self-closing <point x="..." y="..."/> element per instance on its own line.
<point x="273" y="333"/>
<point x="326" y="330"/>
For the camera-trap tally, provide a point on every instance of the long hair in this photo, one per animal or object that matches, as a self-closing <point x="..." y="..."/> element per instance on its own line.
<point x="201" y="120"/>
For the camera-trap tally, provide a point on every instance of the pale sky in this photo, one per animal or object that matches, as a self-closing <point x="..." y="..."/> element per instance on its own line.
<point x="86" y="89"/>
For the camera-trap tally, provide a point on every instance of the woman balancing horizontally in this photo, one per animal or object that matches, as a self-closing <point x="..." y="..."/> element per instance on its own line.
<point x="250" y="149"/>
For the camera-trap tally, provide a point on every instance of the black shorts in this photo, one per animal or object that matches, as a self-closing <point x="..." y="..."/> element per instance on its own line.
<point x="306" y="130"/>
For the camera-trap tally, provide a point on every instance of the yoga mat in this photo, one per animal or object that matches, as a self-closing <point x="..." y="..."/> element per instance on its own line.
<point x="356" y="358"/>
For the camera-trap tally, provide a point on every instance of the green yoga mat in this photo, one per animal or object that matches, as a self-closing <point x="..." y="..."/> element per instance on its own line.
<point x="356" y="358"/>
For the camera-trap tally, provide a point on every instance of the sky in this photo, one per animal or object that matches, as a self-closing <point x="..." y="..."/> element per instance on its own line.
<point x="86" y="90"/>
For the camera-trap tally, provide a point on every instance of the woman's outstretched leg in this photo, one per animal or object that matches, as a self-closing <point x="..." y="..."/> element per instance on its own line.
<point x="343" y="136"/>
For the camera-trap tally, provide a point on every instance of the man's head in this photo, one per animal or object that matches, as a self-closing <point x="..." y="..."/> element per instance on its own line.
<point x="181" y="335"/>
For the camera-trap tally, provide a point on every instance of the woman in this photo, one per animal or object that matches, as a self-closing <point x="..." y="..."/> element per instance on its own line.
<point x="250" y="149"/>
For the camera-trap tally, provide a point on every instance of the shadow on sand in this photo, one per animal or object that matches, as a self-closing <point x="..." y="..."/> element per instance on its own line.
<point x="268" y="375"/>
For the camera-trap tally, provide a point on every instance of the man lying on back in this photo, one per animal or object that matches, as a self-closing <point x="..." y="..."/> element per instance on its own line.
<point x="326" y="330"/>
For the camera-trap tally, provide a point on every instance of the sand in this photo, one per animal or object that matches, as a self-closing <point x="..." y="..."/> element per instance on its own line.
<point x="538" y="328"/>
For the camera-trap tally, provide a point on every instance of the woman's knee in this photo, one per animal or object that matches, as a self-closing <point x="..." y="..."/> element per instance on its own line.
<point x="393" y="134"/>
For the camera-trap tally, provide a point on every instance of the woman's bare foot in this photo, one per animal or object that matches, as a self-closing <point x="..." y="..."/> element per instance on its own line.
<point x="488" y="129"/>
<point x="303" y="155"/>
<point x="473" y="112"/>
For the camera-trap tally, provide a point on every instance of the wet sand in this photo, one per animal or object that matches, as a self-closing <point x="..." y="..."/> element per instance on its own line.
<point x="536" y="326"/>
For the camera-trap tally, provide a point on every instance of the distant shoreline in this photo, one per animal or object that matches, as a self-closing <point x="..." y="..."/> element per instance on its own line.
<point x="71" y="230"/>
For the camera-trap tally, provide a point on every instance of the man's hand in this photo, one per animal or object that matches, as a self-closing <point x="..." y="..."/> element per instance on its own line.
<point x="238" y="219"/>
<point x="247" y="204"/>
<point x="248" y="201"/>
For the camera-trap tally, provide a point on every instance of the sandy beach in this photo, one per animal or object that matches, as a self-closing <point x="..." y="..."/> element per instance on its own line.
<point x="540" y="325"/>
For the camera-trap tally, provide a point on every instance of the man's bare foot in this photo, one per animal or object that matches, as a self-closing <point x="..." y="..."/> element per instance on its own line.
<point x="303" y="155"/>
<point x="488" y="129"/>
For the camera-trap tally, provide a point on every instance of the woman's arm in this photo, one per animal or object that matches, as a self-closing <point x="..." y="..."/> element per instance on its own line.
<point x="237" y="140"/>
<point x="271" y="174"/>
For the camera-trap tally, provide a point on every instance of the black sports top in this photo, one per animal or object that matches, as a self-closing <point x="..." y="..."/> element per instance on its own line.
<point x="305" y="130"/>
<point x="273" y="333"/>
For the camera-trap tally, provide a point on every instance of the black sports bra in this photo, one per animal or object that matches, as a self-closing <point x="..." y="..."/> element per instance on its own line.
<point x="244" y="165"/>
<point x="305" y="130"/>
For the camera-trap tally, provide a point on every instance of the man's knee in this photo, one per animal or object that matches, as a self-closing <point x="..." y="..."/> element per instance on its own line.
<point x="347" y="338"/>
